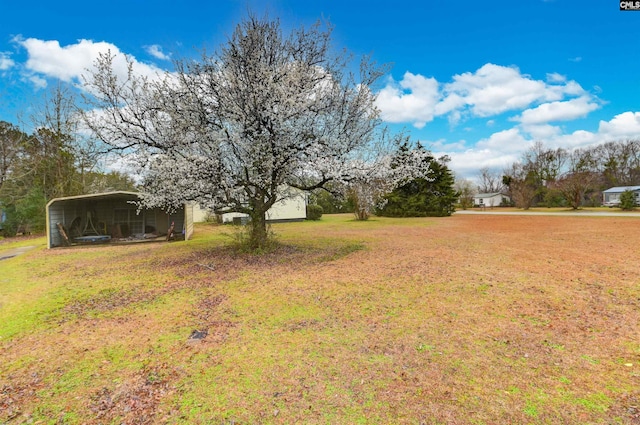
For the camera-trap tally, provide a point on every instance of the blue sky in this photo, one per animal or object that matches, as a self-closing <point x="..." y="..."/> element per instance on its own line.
<point x="479" y="81"/>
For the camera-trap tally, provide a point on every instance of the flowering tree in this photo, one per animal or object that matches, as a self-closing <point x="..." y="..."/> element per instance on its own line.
<point x="368" y="184"/>
<point x="232" y="130"/>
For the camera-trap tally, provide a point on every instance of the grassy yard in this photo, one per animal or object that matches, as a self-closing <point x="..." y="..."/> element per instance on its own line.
<point x="481" y="319"/>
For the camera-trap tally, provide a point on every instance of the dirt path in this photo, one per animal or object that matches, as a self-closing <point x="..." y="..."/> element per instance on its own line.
<point x="14" y="252"/>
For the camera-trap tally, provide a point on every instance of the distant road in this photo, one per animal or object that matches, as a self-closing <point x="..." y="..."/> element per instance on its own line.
<point x="538" y="212"/>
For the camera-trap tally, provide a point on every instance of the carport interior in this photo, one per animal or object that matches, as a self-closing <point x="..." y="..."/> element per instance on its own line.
<point x="106" y="217"/>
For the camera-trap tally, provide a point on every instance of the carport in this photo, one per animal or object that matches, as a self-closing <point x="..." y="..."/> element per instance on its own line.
<point x="111" y="217"/>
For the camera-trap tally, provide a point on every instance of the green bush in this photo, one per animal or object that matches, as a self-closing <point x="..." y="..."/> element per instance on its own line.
<point x="553" y="198"/>
<point x="314" y="212"/>
<point x="330" y="203"/>
<point x="627" y="200"/>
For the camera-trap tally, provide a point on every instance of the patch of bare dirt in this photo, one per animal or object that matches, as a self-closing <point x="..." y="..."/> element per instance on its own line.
<point x="109" y="300"/>
<point x="225" y="263"/>
<point x="207" y="322"/>
<point x="16" y="392"/>
<point x="628" y="405"/>
<point x="135" y="401"/>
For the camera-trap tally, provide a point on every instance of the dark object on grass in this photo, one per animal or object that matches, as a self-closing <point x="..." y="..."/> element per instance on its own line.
<point x="93" y="239"/>
<point x="198" y="335"/>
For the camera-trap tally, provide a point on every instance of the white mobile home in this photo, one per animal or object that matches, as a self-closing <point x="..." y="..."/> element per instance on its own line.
<point x="113" y="215"/>
<point x="611" y="197"/>
<point x="291" y="208"/>
<point x="489" y="199"/>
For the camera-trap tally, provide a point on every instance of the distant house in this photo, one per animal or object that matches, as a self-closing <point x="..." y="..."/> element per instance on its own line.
<point x="291" y="208"/>
<point x="611" y="197"/>
<point x="490" y="199"/>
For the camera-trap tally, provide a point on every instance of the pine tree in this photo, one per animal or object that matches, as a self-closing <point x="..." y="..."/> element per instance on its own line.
<point x="433" y="195"/>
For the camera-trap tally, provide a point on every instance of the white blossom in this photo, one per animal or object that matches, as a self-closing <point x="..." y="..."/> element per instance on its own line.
<point x="230" y="130"/>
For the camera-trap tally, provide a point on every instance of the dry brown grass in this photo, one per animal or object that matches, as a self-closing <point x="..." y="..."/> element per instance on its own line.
<point x="460" y="320"/>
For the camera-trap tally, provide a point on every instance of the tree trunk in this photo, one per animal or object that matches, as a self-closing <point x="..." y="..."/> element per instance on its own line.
<point x="258" y="236"/>
<point x="361" y="213"/>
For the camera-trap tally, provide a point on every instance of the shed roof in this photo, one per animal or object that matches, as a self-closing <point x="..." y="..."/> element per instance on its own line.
<point x="620" y="189"/>
<point x="123" y="195"/>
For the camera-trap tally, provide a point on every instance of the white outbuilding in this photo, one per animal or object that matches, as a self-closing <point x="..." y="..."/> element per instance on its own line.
<point x="293" y="207"/>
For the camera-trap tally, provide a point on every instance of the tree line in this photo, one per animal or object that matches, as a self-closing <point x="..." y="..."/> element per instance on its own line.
<point x="54" y="160"/>
<point x="563" y="177"/>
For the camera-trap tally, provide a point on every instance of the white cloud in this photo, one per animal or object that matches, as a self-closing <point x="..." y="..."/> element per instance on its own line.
<point x="494" y="89"/>
<point x="622" y="126"/>
<point x="554" y="77"/>
<point x="489" y="91"/>
<point x="37" y="81"/>
<point x="505" y="147"/>
<point x="558" y="111"/>
<point x="505" y="141"/>
<point x="454" y="118"/>
<point x="443" y="145"/>
<point x="47" y="59"/>
<point x="452" y="102"/>
<point x="467" y="163"/>
<point x="155" y="50"/>
<point x="541" y="131"/>
<point x="576" y="59"/>
<point x="571" y="88"/>
<point x="577" y="139"/>
<point x="126" y="164"/>
<point x="411" y="100"/>
<point x="5" y="61"/>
